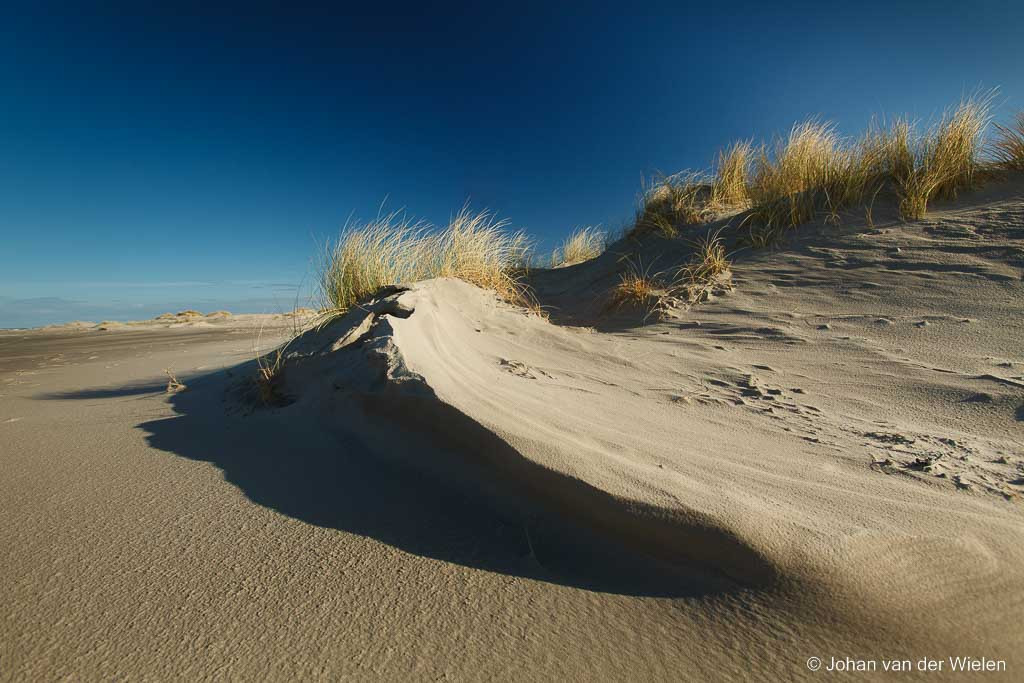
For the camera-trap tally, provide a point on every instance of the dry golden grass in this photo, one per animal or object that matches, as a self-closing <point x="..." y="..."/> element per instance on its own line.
<point x="638" y="287"/>
<point x="641" y="288"/>
<point x="916" y="189"/>
<point x="269" y="380"/>
<point x="732" y="176"/>
<point x="887" y="152"/>
<point x="672" y="202"/>
<point x="956" y="143"/>
<point x="692" y="198"/>
<point x="270" y="377"/>
<point x="809" y="169"/>
<point x="946" y="159"/>
<point x="704" y="271"/>
<point x="582" y="245"/>
<point x="384" y="251"/>
<point x="1008" y="146"/>
<point x="173" y="385"/>
<point x="475" y="247"/>
<point x="815" y="173"/>
<point x="869" y="207"/>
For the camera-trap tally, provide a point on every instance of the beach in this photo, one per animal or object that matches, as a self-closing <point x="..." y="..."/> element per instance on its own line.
<point x="824" y="460"/>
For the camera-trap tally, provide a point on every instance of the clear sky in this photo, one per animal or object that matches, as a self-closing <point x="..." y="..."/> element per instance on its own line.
<point x="158" y="156"/>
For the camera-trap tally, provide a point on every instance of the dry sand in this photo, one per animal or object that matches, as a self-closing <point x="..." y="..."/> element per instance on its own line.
<point x="826" y="461"/>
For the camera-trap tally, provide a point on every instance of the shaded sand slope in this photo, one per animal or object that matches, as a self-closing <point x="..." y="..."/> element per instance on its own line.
<point x="826" y="461"/>
<point x="845" y="426"/>
<point x="155" y="536"/>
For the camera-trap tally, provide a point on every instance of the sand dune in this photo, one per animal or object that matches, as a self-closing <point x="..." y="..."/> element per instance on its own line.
<point x="826" y="460"/>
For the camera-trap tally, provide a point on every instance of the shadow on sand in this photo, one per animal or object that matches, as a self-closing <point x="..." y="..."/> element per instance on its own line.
<point x="282" y="461"/>
<point x="108" y="392"/>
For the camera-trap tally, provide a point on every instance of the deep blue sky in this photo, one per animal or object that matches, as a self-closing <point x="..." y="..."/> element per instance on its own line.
<point x="155" y="156"/>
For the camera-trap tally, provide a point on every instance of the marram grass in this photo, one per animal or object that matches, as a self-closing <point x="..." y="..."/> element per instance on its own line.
<point x="390" y="250"/>
<point x="814" y="173"/>
<point x="1008" y="146"/>
<point x="582" y="245"/>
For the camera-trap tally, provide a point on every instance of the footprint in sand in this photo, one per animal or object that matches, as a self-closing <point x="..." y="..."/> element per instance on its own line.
<point x="520" y="369"/>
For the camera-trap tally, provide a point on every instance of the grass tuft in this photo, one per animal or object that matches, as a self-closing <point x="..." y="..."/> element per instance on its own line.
<point x="791" y="180"/>
<point x="729" y="188"/>
<point x="582" y="245"/>
<point x="270" y="377"/>
<point x="173" y="385"/>
<point x="638" y="287"/>
<point x="693" y="198"/>
<point x="815" y="173"/>
<point x="671" y="202"/>
<point x="704" y="271"/>
<point x="1008" y="146"/>
<point x="641" y="288"/>
<point x="475" y="247"/>
<point x="946" y="159"/>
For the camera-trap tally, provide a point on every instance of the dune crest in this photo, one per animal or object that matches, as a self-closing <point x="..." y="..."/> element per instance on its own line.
<point x="733" y="437"/>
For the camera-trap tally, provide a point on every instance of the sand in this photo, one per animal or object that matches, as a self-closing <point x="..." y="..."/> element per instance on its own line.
<point x="826" y="460"/>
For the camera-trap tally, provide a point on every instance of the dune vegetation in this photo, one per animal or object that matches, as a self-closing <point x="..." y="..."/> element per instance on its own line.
<point x="816" y="173"/>
<point x="641" y="287"/>
<point x="638" y="287"/>
<point x="1008" y="147"/>
<point x="475" y="247"/>
<point x="689" y="197"/>
<point x="811" y="174"/>
<point x="582" y="245"/>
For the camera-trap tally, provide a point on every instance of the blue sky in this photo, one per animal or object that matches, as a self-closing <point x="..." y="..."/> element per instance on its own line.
<point x="179" y="156"/>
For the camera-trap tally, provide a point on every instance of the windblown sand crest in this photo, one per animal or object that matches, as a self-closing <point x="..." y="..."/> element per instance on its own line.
<point x="825" y="461"/>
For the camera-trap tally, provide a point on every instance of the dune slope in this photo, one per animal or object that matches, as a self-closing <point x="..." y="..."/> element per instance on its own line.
<point x="846" y="425"/>
<point x="825" y="461"/>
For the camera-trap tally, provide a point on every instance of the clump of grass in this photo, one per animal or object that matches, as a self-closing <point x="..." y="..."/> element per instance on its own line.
<point x="582" y="245"/>
<point x="270" y="377"/>
<point x="887" y="152"/>
<point x="916" y="189"/>
<point x="790" y="181"/>
<point x="1008" y="146"/>
<point x="694" y="198"/>
<point x="732" y="174"/>
<point x="475" y="247"/>
<point x="269" y="381"/>
<point x="479" y="249"/>
<point x="814" y="172"/>
<point x="173" y="385"/>
<point x="387" y="250"/>
<point x="956" y="145"/>
<point x="638" y="287"/>
<point x="946" y="159"/>
<point x="704" y="271"/>
<point x="672" y="202"/>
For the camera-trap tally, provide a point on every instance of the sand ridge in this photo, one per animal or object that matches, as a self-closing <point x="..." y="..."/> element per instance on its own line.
<point x="826" y="460"/>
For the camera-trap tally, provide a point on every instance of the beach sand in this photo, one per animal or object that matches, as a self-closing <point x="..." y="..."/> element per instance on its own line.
<point x="826" y="460"/>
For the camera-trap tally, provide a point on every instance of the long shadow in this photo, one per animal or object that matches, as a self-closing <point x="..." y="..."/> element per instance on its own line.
<point x="280" y="460"/>
<point x="107" y="392"/>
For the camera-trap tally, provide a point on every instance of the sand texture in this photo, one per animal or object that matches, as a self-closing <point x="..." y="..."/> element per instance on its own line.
<point x="825" y="460"/>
